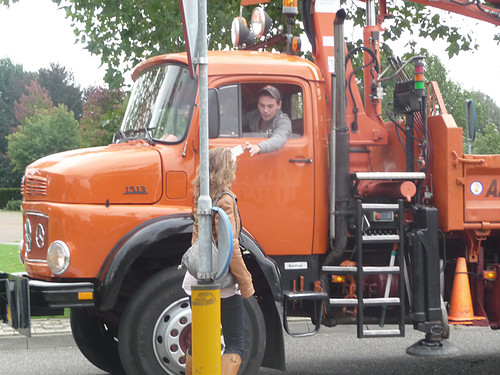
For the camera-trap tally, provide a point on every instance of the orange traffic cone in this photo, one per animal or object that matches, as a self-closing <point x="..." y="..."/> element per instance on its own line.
<point x="461" y="311"/>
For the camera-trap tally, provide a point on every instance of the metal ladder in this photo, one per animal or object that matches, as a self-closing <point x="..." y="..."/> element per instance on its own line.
<point x="362" y="238"/>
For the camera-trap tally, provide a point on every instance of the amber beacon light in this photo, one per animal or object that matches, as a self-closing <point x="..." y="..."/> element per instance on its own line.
<point x="290" y="7"/>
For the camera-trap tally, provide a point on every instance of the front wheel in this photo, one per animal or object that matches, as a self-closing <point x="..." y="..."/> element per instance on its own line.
<point x="155" y="330"/>
<point x="96" y="339"/>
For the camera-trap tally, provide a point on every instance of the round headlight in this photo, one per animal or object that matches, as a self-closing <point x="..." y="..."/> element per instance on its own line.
<point x="240" y="35"/>
<point x="260" y="22"/>
<point x="58" y="257"/>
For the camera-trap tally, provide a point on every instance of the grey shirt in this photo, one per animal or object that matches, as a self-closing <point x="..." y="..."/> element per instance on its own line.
<point x="278" y="129"/>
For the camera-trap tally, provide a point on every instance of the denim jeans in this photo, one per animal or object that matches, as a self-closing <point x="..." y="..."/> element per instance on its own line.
<point x="233" y="325"/>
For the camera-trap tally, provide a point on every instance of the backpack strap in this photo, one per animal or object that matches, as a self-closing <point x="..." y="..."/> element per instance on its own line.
<point x="238" y="220"/>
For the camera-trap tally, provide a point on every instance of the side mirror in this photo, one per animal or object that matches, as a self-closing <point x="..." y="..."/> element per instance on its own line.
<point x="470" y="122"/>
<point x="213" y="114"/>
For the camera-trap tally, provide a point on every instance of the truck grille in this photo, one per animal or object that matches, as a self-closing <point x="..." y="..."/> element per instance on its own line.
<point x="35" y="185"/>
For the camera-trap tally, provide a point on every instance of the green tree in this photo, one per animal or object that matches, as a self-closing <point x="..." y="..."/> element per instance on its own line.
<point x="124" y="33"/>
<point x="62" y="88"/>
<point x="103" y="112"/>
<point x="489" y="142"/>
<point x="13" y="81"/>
<point x="487" y="111"/>
<point x="44" y="133"/>
<point x="9" y="177"/>
<point x="453" y="95"/>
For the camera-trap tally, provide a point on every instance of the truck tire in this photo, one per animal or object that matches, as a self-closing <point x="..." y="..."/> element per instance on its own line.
<point x="160" y="306"/>
<point x="96" y="340"/>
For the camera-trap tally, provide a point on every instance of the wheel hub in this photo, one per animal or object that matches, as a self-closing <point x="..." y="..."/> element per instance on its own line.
<point x="172" y="336"/>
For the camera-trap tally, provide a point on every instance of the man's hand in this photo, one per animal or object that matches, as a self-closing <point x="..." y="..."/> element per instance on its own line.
<point x="252" y="149"/>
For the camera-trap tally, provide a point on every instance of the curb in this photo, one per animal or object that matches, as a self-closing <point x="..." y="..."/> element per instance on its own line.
<point x="41" y="341"/>
<point x="45" y="333"/>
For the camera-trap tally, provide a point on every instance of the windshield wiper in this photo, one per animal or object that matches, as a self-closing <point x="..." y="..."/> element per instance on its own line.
<point x="149" y="138"/>
<point x="120" y="136"/>
<point x="147" y="135"/>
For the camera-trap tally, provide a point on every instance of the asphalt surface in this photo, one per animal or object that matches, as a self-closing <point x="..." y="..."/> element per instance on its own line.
<point x="11" y="227"/>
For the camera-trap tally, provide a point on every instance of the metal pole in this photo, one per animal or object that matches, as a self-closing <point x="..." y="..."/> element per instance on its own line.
<point x="205" y="298"/>
<point x="469" y="148"/>
<point x="204" y="201"/>
<point x="341" y="172"/>
<point x="333" y="159"/>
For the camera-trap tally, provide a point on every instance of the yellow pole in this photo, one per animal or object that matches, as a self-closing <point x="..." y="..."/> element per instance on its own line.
<point x="206" y="333"/>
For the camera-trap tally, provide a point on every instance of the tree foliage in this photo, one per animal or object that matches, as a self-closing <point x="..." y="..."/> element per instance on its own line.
<point x="126" y="32"/>
<point x="46" y="132"/>
<point x="103" y="112"/>
<point x="36" y="98"/>
<point x="423" y="21"/>
<point x="27" y="108"/>
<point x="62" y="88"/>
<point x="487" y="142"/>
<point x="454" y="97"/>
<point x="13" y="82"/>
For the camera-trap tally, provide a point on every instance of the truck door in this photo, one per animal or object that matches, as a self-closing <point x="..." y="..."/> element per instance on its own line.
<point x="275" y="190"/>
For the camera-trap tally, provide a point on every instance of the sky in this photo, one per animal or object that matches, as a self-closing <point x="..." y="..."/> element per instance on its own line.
<point x="35" y="33"/>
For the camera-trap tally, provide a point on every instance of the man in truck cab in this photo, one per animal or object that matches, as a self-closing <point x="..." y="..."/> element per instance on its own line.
<point x="269" y="119"/>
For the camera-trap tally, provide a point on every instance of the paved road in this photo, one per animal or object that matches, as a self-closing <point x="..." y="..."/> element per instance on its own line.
<point x="332" y="351"/>
<point x="338" y="351"/>
<point x="11" y="227"/>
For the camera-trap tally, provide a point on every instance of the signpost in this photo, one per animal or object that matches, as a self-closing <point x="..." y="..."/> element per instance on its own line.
<point x="205" y="297"/>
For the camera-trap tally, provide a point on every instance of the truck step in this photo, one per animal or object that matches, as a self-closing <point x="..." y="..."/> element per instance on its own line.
<point x="382" y="333"/>
<point x="305" y="295"/>
<point x="366" y="270"/>
<point x="391" y="301"/>
<point x="380" y="238"/>
<point x="380" y="206"/>
<point x="389" y="176"/>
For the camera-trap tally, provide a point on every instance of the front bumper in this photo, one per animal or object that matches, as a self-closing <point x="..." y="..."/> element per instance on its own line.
<point x="21" y="298"/>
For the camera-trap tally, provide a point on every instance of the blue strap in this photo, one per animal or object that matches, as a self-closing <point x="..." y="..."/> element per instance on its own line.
<point x="225" y="242"/>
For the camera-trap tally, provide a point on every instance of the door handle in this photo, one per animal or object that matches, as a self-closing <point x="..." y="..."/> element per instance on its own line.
<point x="307" y="161"/>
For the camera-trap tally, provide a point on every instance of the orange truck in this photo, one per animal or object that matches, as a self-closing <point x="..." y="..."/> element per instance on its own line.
<point x="353" y="221"/>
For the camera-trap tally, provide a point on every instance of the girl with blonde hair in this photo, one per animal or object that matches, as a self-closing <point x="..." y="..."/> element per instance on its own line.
<point x="222" y="174"/>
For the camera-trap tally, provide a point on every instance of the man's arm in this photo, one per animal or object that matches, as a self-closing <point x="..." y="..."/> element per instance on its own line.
<point x="282" y="129"/>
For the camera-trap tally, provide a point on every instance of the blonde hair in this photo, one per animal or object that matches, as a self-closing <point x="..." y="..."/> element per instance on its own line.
<point x="222" y="173"/>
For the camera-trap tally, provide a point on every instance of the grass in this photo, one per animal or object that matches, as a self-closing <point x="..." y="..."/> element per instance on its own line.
<point x="9" y="262"/>
<point x="9" y="259"/>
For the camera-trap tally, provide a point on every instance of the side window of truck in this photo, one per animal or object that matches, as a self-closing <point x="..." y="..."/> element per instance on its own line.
<point x="229" y="104"/>
<point x="291" y="104"/>
<point x="236" y="100"/>
<point x="297" y="114"/>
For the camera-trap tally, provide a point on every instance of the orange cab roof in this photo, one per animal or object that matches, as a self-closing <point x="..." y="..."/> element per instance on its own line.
<point x="222" y="63"/>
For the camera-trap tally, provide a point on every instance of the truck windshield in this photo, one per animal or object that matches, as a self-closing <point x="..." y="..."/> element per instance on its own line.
<point x="160" y="105"/>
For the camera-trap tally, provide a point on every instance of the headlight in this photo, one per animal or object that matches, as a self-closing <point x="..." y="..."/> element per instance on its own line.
<point x="261" y="22"/>
<point x="58" y="257"/>
<point x="240" y="35"/>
